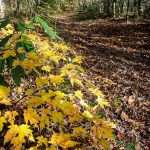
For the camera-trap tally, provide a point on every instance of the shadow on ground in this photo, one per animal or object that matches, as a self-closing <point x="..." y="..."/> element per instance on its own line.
<point x="117" y="57"/>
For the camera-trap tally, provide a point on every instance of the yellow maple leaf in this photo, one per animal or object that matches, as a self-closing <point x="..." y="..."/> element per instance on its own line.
<point x="20" y="50"/>
<point x="61" y="46"/>
<point x="4" y="92"/>
<point x="79" y="94"/>
<point x="30" y="92"/>
<point x="76" y="81"/>
<point x="52" y="147"/>
<point x="31" y="36"/>
<point x="20" y="90"/>
<point x="47" y="68"/>
<point x="58" y="138"/>
<point x="41" y="81"/>
<point x="16" y="135"/>
<point x="33" y="148"/>
<point x="11" y="133"/>
<point x="55" y="58"/>
<point x="79" y="132"/>
<point x="9" y="29"/>
<point x="34" y="101"/>
<point x="78" y="59"/>
<point x="105" y="131"/>
<point x="9" y="26"/>
<point x="2" y="121"/>
<point x="102" y="102"/>
<point x="69" y="144"/>
<point x="11" y="116"/>
<point x="57" y="117"/>
<point x="31" y="116"/>
<point x="87" y="114"/>
<point x="95" y="90"/>
<point x="57" y="79"/>
<point x="8" y="53"/>
<point x="6" y="101"/>
<point x="82" y="102"/>
<point x="62" y="140"/>
<point x="44" y="119"/>
<point x="66" y="105"/>
<point x="59" y="95"/>
<point x="104" y="143"/>
<point x="16" y="63"/>
<point x="41" y="141"/>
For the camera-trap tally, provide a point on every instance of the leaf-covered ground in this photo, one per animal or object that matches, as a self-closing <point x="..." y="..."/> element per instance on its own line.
<point x="117" y="58"/>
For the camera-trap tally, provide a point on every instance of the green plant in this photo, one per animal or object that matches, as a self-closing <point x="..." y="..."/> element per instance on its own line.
<point x="117" y="102"/>
<point x="66" y="85"/>
<point x="130" y="146"/>
<point x="23" y="42"/>
<point x="101" y="113"/>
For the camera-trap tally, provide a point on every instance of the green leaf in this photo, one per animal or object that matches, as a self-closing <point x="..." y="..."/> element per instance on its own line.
<point x="3" y="82"/>
<point x="21" y="56"/>
<point x="4" y="23"/>
<point x="17" y="73"/>
<point x="5" y="40"/>
<point x="19" y="44"/>
<point x="46" y="28"/>
<point x="101" y="113"/>
<point x="130" y="146"/>
<point x="20" y="26"/>
<point x="2" y="63"/>
<point x="9" y="61"/>
<point x="30" y="26"/>
<point x="28" y="46"/>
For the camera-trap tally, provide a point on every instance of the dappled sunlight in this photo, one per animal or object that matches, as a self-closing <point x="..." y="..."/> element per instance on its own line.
<point x="117" y="57"/>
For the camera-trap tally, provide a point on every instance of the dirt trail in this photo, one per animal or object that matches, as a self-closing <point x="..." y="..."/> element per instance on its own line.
<point x="117" y="57"/>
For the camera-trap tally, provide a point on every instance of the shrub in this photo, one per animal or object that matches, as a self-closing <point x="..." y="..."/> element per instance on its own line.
<point x="37" y="110"/>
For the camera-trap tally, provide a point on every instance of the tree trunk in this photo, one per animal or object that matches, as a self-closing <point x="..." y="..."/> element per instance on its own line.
<point x="139" y="7"/>
<point x="114" y="9"/>
<point x="84" y="5"/>
<point x="1" y="9"/>
<point x="127" y="13"/>
<point x="108" y="8"/>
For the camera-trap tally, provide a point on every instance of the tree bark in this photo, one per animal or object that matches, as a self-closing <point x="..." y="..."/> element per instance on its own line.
<point x="114" y="9"/>
<point x="127" y="13"/>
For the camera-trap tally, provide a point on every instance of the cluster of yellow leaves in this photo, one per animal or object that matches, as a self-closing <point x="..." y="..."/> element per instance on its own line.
<point x="30" y="63"/>
<point x="7" y="31"/>
<point x="4" y="93"/>
<point x="9" y="53"/>
<point x="50" y="114"/>
<point x="62" y="140"/>
<point x="16" y="135"/>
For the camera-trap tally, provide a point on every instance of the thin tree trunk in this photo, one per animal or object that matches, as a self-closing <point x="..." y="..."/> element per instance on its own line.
<point x="108" y="8"/>
<point x="114" y="9"/>
<point x="127" y="13"/>
<point x="139" y="7"/>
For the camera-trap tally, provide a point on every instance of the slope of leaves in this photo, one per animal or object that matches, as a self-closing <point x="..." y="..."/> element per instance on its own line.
<point x="52" y="104"/>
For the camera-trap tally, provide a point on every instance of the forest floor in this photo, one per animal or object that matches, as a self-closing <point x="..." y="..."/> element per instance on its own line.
<point x="117" y="58"/>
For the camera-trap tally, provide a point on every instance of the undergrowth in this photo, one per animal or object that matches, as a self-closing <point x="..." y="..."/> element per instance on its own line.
<point x="45" y="96"/>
